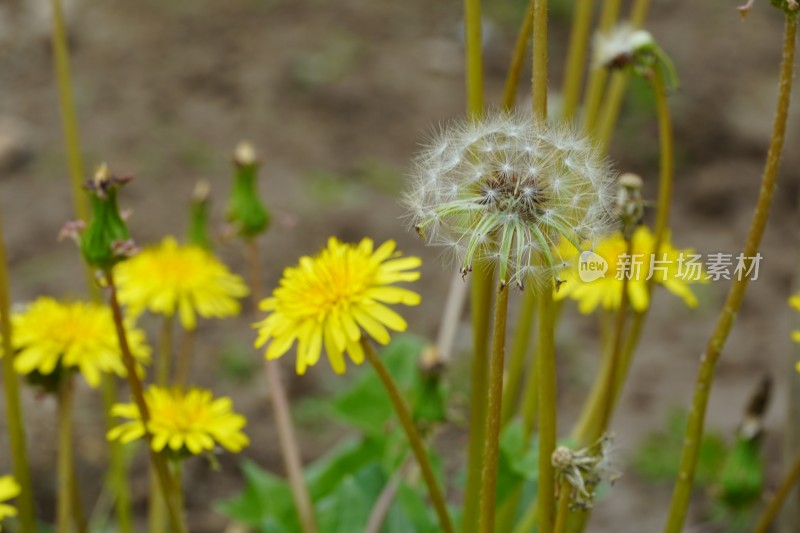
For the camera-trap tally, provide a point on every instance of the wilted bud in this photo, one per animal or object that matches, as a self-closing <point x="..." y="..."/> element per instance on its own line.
<point x="199" y="215"/>
<point x="245" y="209"/>
<point x="106" y="239"/>
<point x="630" y="205"/>
<point x="790" y="7"/>
<point x="584" y="470"/>
<point x="627" y="48"/>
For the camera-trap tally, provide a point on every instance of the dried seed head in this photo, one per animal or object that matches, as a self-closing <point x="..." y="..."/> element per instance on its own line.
<point x="627" y="48"/>
<point x="506" y="189"/>
<point x="630" y="204"/>
<point x="585" y="469"/>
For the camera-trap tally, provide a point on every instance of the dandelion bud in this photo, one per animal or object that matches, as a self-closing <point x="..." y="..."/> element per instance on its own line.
<point x="199" y="215"/>
<point x="627" y="48"/>
<point x="106" y="239"/>
<point x="507" y="190"/>
<point x="584" y="470"/>
<point x="245" y="209"/>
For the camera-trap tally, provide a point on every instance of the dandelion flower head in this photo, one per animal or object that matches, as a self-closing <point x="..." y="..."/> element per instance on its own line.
<point x="794" y="302"/>
<point x="9" y="489"/>
<point x="330" y="299"/>
<point x="172" y="278"/>
<point x="50" y="335"/>
<point x="672" y="270"/>
<point x="506" y="190"/>
<point x="183" y="422"/>
<point x="619" y="45"/>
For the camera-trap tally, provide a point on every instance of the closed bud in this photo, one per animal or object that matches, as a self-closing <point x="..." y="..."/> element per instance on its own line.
<point x="199" y="215"/>
<point x="106" y="239"/>
<point x="634" y="50"/>
<point x="245" y="209"/>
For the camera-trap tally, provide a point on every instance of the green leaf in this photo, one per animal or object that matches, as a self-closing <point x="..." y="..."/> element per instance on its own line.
<point x="347" y="509"/>
<point x="325" y="474"/>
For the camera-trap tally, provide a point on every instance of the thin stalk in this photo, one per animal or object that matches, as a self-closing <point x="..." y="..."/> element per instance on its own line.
<point x="617" y="86"/>
<point x="530" y="400"/>
<point x="157" y="512"/>
<point x="769" y="514"/>
<point x="708" y="361"/>
<point x="546" y="360"/>
<point x="16" y="429"/>
<point x="290" y="450"/>
<point x="185" y="353"/>
<point x="482" y="293"/>
<point x="539" y="75"/>
<point x="474" y="59"/>
<point x="562" y="514"/>
<point x="65" y="456"/>
<point x="597" y="76"/>
<point x="520" y="346"/>
<point x="518" y="58"/>
<point x="167" y="483"/>
<point x="165" y="352"/>
<point x="491" y="449"/>
<point x="116" y="477"/>
<point x="576" y="57"/>
<point x="417" y="446"/>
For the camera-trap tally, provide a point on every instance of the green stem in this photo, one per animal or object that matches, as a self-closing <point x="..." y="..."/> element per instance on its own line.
<point x="576" y="57"/>
<point x="116" y="476"/>
<point x="546" y="360"/>
<point x="474" y="59"/>
<point x="598" y="75"/>
<point x="539" y="75"/>
<point x="165" y="352"/>
<point x="167" y="483"/>
<point x="518" y="58"/>
<point x="530" y="400"/>
<point x="184" y="366"/>
<point x="16" y="429"/>
<point x="562" y="515"/>
<point x="792" y="476"/>
<point x="290" y="450"/>
<point x="708" y="361"/>
<point x="417" y="446"/>
<point x="617" y="86"/>
<point x="157" y="515"/>
<point x="491" y="449"/>
<point x="481" y="302"/>
<point x="519" y="351"/>
<point x="65" y="470"/>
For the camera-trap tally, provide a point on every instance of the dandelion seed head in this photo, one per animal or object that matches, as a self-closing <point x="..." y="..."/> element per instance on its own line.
<point x="517" y="189"/>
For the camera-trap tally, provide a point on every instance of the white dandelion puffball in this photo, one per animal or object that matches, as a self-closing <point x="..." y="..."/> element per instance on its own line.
<point x="505" y="189"/>
<point x="619" y="44"/>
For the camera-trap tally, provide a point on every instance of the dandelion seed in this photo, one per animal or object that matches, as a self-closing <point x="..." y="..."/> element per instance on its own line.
<point x="182" y="422"/>
<point x="518" y="187"/>
<point x="331" y="299"/>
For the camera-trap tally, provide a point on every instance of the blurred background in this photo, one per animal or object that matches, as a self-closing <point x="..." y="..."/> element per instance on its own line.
<point x="336" y="97"/>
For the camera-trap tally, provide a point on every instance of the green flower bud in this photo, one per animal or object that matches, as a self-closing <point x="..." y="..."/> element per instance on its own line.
<point x="245" y="209"/>
<point x="106" y="239"/>
<point x="742" y="476"/>
<point x="199" y="215"/>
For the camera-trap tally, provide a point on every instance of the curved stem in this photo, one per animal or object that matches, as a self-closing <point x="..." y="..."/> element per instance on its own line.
<point x="576" y="57"/>
<point x="491" y="449"/>
<point x="792" y="476"/>
<point x="520" y="347"/>
<point x="280" y="407"/>
<point x="546" y="360"/>
<point x="167" y="483"/>
<point x="518" y="58"/>
<point x="598" y="76"/>
<point x="414" y="440"/>
<point x="733" y="302"/>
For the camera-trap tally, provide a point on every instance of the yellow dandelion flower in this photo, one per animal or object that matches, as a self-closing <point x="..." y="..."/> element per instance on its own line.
<point x="183" y="422"/>
<point x="8" y="489"/>
<point x="794" y="302"/>
<point x="187" y="279"/>
<point x="49" y="335"/>
<point x="330" y="298"/>
<point x="673" y="268"/>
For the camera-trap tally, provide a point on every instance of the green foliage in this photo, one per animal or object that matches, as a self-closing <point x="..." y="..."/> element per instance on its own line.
<point x="659" y="456"/>
<point x="345" y="483"/>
